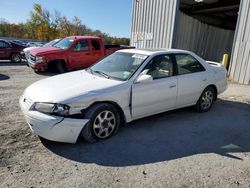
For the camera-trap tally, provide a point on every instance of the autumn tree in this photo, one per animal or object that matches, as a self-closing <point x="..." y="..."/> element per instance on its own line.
<point x="44" y="25"/>
<point x="76" y="26"/>
<point x="40" y="21"/>
<point x="65" y="27"/>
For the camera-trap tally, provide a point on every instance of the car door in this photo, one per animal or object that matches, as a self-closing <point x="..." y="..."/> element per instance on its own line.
<point x="5" y="50"/>
<point x="80" y="55"/>
<point x="192" y="78"/>
<point x="97" y="53"/>
<point x="159" y="94"/>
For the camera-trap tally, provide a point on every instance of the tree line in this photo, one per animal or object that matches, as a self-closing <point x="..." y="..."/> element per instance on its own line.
<point x="45" y="26"/>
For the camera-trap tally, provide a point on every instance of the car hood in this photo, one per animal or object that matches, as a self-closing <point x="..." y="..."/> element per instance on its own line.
<point x="29" y="48"/>
<point x="61" y="88"/>
<point x="44" y="50"/>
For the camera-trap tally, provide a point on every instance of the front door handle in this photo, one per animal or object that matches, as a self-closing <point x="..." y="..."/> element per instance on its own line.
<point x="172" y="86"/>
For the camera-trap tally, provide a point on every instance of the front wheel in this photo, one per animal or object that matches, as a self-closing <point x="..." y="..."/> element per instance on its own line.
<point x="206" y="100"/>
<point x="104" y="121"/>
<point x="16" y="58"/>
<point x="60" y="67"/>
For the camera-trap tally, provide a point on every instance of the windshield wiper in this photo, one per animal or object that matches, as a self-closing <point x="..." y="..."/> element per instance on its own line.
<point x="101" y="73"/>
<point x="89" y="69"/>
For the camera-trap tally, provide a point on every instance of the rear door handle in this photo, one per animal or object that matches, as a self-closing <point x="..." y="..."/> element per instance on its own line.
<point x="204" y="80"/>
<point x="172" y="86"/>
<point x="87" y="54"/>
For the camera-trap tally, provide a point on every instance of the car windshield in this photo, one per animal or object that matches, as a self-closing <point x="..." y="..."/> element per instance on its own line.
<point x="52" y="43"/>
<point x="119" y="65"/>
<point x="64" y="43"/>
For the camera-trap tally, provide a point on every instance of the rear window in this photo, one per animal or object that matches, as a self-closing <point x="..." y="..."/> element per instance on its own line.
<point x="96" y="45"/>
<point x="187" y="64"/>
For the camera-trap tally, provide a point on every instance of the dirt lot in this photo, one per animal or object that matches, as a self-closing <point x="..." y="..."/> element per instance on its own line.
<point x="181" y="148"/>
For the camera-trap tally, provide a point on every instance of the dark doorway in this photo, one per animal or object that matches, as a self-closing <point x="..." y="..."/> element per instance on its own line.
<point x="207" y="27"/>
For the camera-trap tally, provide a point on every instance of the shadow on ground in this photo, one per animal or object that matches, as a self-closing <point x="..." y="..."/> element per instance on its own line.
<point x="225" y="129"/>
<point x="4" y="77"/>
<point x="48" y="73"/>
<point x="9" y="63"/>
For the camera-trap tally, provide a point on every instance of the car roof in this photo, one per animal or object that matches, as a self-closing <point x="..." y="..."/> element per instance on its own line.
<point x="82" y="37"/>
<point x="3" y="40"/>
<point x="154" y="51"/>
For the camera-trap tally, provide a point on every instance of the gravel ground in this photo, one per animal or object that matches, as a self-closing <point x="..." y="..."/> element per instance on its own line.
<point x="181" y="148"/>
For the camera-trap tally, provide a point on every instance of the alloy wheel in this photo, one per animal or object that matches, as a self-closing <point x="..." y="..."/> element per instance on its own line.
<point x="104" y="124"/>
<point x="207" y="99"/>
<point x="16" y="58"/>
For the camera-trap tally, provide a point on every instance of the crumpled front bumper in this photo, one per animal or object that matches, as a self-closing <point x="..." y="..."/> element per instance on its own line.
<point x="54" y="128"/>
<point x="37" y="66"/>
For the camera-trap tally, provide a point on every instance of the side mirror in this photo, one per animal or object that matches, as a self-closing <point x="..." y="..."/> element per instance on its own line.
<point x="145" y="78"/>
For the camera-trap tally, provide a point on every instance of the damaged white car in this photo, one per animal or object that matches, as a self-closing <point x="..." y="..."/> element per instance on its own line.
<point x="125" y="86"/>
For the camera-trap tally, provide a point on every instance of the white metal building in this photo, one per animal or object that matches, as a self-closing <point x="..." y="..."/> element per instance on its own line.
<point x="209" y="28"/>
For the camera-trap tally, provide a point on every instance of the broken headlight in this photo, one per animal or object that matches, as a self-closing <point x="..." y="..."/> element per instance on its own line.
<point x="52" y="108"/>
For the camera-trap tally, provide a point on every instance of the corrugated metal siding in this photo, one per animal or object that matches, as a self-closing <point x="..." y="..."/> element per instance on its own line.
<point x="205" y="40"/>
<point x="240" y="63"/>
<point x="153" y="23"/>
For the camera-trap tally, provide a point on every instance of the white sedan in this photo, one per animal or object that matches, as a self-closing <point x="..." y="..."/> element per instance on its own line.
<point x="125" y="86"/>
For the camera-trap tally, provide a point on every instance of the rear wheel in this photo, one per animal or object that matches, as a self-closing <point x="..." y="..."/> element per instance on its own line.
<point x="206" y="100"/>
<point x="16" y="58"/>
<point x="104" y="121"/>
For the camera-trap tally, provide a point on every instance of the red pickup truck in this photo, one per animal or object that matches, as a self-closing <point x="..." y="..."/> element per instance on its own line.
<point x="71" y="53"/>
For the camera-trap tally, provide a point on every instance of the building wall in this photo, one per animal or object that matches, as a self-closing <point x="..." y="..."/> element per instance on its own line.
<point x="153" y="23"/>
<point x="207" y="41"/>
<point x="240" y="63"/>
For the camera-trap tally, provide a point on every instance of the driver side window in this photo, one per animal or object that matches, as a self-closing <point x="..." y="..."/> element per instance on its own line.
<point x="159" y="67"/>
<point x="81" y="46"/>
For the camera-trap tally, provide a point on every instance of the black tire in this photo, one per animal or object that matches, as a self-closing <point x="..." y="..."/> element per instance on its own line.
<point x="37" y="71"/>
<point x="60" y="67"/>
<point x="16" y="58"/>
<point x="206" y="100"/>
<point x="90" y="131"/>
